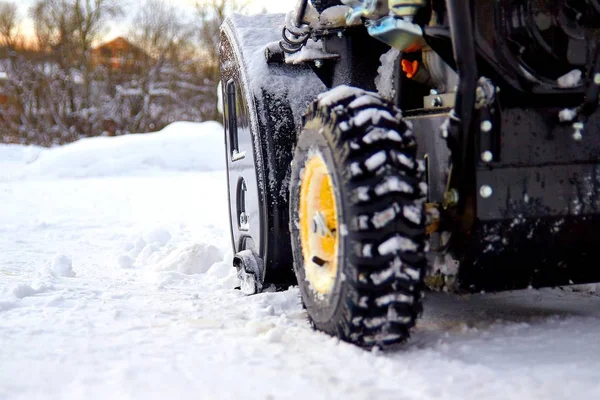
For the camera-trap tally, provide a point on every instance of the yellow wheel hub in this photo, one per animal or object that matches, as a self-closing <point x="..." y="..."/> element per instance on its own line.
<point x="318" y="225"/>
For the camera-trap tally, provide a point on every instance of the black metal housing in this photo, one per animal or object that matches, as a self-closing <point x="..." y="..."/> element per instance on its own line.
<point x="536" y="223"/>
<point x="526" y="217"/>
<point x="261" y="116"/>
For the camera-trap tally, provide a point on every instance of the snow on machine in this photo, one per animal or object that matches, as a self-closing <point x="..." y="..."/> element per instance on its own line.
<point x="379" y="147"/>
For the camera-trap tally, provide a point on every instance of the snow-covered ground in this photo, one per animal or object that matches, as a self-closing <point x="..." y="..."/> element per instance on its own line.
<point x="115" y="282"/>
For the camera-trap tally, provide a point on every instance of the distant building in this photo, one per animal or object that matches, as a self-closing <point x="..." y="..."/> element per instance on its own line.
<point x="119" y="55"/>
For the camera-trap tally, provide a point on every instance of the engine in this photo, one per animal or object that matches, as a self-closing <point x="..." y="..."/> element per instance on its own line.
<point x="543" y="40"/>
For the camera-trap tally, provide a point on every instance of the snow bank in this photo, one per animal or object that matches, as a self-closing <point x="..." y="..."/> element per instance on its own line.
<point x="181" y="146"/>
<point x="175" y="263"/>
<point x="14" y="157"/>
<point x="194" y="258"/>
<point x="18" y="154"/>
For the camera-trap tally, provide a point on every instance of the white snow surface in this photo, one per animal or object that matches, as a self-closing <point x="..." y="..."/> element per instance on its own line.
<point x="181" y="146"/>
<point x="119" y="285"/>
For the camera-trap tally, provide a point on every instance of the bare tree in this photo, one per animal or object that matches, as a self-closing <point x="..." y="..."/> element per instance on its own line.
<point x="90" y="20"/>
<point x="56" y="94"/>
<point x="158" y="28"/>
<point x="211" y="14"/>
<point x="54" y="25"/>
<point x="9" y="22"/>
<point x="161" y="32"/>
<point x="68" y="28"/>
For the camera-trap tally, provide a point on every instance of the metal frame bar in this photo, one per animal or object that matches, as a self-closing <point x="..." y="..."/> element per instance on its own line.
<point x="461" y="127"/>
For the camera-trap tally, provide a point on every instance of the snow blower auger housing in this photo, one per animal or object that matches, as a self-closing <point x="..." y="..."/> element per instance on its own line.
<point x="381" y="146"/>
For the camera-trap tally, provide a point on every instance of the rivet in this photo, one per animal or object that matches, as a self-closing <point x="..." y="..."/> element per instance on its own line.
<point x="487" y="156"/>
<point x="486" y="191"/>
<point x="486" y="126"/>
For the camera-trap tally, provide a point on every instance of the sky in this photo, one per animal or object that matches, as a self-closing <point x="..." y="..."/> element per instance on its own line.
<point x="121" y="27"/>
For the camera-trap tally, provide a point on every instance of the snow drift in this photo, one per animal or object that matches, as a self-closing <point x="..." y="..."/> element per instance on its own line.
<point x="181" y="146"/>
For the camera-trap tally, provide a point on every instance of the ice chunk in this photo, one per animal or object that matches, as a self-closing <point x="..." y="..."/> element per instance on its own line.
<point x="570" y="79"/>
<point x="159" y="235"/>
<point x="412" y="213"/>
<point x="566" y="115"/>
<point x="393" y="184"/>
<point x="375" y="161"/>
<point x="338" y="93"/>
<point x="62" y="265"/>
<point x="125" y="261"/>
<point x="397" y="243"/>
<point x="385" y="78"/>
<point x="193" y="258"/>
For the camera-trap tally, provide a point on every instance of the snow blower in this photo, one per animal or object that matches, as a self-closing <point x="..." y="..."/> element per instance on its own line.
<point x="376" y="148"/>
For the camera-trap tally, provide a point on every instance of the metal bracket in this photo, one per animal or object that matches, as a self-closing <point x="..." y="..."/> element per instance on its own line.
<point x="250" y="271"/>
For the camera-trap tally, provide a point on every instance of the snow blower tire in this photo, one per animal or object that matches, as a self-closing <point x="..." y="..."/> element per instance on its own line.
<point x="357" y="219"/>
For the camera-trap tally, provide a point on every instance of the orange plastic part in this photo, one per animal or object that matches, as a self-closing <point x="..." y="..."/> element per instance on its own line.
<point x="410" y="68"/>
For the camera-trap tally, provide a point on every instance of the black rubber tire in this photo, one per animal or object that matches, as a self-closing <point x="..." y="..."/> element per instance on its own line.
<point x="376" y="296"/>
<point x="321" y="5"/>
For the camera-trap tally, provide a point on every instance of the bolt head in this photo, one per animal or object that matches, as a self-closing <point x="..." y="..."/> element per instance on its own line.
<point x="318" y="63"/>
<point x="486" y="191"/>
<point x="487" y="156"/>
<point x="479" y="93"/>
<point x="340" y="34"/>
<point x="451" y="197"/>
<point x="486" y="126"/>
<point x="577" y="136"/>
<point x="437" y="102"/>
<point x="597" y="79"/>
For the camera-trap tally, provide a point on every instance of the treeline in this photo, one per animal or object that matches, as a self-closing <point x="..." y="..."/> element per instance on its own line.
<point x="60" y="85"/>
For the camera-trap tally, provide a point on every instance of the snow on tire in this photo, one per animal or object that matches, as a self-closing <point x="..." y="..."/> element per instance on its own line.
<point x="370" y="156"/>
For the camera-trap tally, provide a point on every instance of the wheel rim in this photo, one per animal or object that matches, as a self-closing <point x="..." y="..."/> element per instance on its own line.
<point x="319" y="225"/>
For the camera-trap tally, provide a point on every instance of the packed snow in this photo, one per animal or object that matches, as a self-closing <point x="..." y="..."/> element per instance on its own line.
<point x="181" y="146"/>
<point x="116" y="282"/>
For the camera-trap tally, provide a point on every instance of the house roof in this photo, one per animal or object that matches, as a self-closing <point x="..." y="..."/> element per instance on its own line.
<point x="120" y="42"/>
